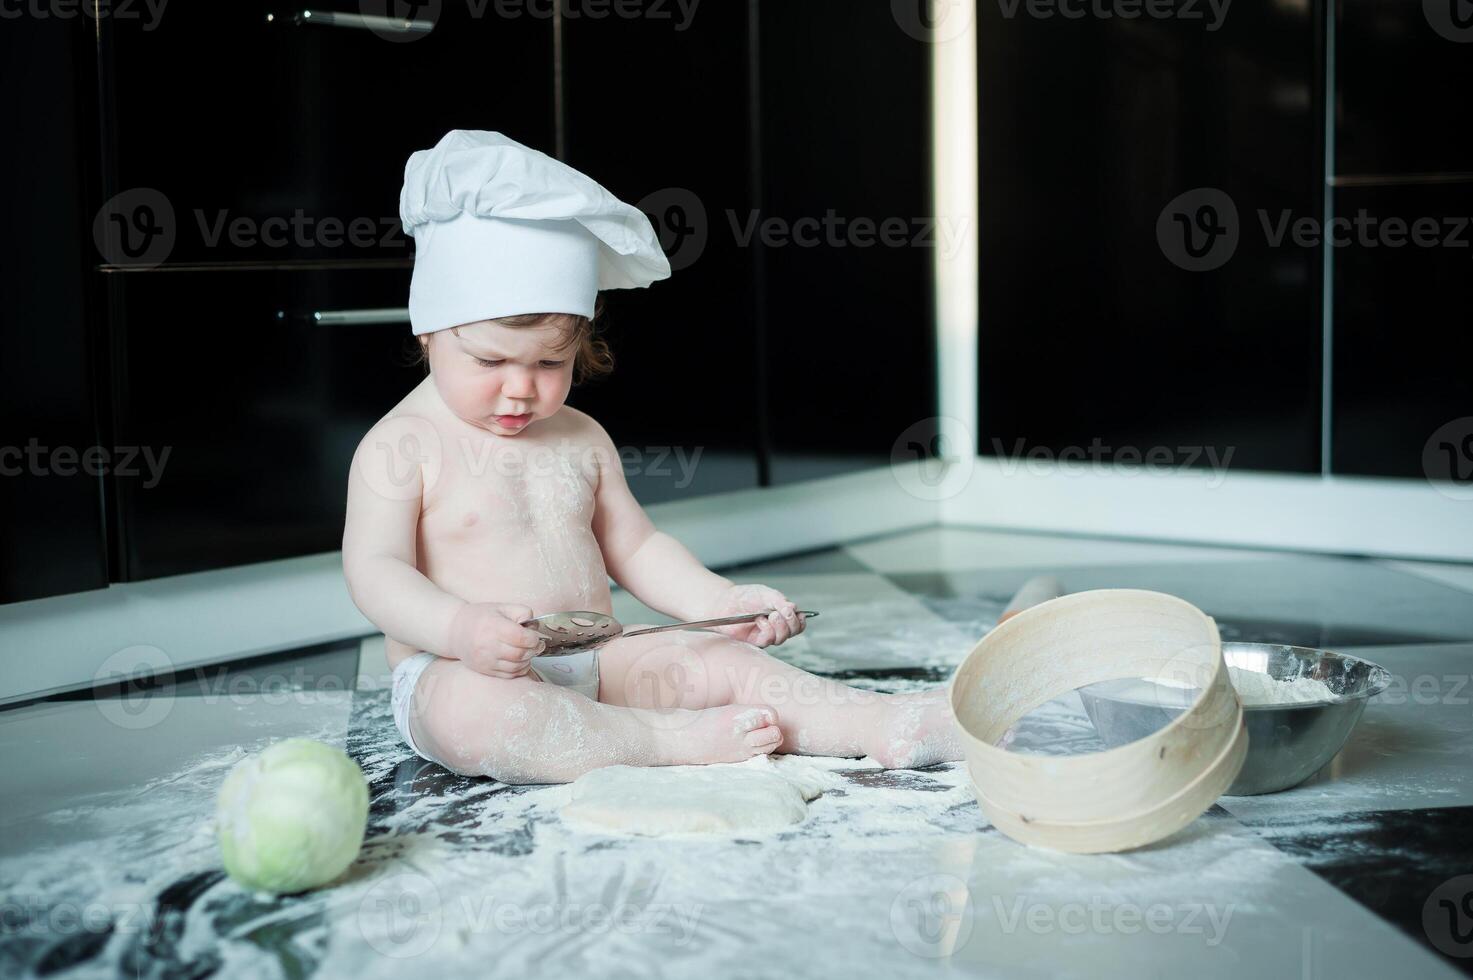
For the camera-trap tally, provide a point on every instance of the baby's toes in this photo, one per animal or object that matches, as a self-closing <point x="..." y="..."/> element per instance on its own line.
<point x="752" y="717"/>
<point x="757" y="728"/>
<point x="765" y="740"/>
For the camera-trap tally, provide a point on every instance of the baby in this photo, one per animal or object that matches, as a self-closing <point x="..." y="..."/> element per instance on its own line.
<point x="482" y="500"/>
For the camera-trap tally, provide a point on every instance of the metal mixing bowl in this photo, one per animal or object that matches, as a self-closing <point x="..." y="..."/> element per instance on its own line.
<point x="1287" y="743"/>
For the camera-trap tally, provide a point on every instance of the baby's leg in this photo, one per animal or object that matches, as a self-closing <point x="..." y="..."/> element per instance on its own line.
<point x="686" y="669"/>
<point x="526" y="731"/>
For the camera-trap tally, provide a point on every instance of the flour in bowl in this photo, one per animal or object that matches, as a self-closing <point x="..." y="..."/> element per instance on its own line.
<point x="1255" y="688"/>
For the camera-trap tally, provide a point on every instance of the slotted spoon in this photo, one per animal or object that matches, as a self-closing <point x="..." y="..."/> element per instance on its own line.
<point x="574" y="632"/>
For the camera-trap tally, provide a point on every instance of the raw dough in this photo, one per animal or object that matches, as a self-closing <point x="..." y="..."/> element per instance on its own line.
<point x="755" y="796"/>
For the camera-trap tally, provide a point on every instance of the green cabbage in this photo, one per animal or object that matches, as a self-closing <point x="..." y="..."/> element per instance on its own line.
<point x="291" y="817"/>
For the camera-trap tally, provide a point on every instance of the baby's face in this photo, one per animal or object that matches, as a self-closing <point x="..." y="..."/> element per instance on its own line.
<point x="501" y="378"/>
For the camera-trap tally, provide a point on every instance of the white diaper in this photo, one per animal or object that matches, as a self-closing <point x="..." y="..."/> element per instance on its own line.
<point x="401" y="694"/>
<point x="578" y="671"/>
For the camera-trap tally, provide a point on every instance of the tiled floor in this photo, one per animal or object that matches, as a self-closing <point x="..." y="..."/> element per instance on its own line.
<point x="109" y="865"/>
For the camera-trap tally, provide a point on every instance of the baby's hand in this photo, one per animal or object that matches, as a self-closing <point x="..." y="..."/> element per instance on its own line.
<point x="777" y="627"/>
<point x="489" y="637"/>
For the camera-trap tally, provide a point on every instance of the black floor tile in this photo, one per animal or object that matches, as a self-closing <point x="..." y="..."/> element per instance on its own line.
<point x="1413" y="868"/>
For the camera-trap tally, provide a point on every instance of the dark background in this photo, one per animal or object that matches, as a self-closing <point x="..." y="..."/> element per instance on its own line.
<point x="1091" y="127"/>
<point x="775" y="363"/>
<point x="762" y="363"/>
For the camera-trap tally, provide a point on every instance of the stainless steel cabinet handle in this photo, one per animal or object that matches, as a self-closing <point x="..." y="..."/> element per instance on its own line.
<point x="365" y="22"/>
<point x="363" y="317"/>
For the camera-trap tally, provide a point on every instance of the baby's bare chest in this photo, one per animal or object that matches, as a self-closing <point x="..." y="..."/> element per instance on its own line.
<point x="514" y="528"/>
<point x="512" y="491"/>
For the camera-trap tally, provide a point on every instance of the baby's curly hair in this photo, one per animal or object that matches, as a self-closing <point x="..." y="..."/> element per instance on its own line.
<point x="592" y="358"/>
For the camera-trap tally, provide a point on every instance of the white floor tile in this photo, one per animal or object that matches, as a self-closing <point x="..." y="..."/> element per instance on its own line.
<point x="942" y="549"/>
<point x="1457" y="575"/>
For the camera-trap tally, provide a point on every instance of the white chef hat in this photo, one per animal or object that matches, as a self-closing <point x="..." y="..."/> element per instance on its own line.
<point x="501" y="229"/>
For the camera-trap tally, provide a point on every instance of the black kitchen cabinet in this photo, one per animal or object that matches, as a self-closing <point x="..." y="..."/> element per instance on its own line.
<point x="249" y="111"/>
<point x="1103" y="327"/>
<point x="52" y="452"/>
<point x="238" y="145"/>
<point x="257" y="405"/>
<point x="1401" y="73"/>
<point x="776" y="346"/>
<point x="1402" y="405"/>
<point x="682" y="403"/>
<point x="292" y="125"/>
<point x="847" y="272"/>
<point x="1404" y="334"/>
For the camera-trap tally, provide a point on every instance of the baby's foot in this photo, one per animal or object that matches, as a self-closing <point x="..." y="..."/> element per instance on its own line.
<point x="731" y="733"/>
<point x="919" y="732"/>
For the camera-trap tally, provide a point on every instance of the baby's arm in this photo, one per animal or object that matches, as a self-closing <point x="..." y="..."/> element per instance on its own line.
<point x="650" y="564"/>
<point x="385" y="494"/>
<point x="662" y="574"/>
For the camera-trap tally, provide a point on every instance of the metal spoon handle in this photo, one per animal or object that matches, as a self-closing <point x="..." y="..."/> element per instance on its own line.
<point x="724" y="621"/>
